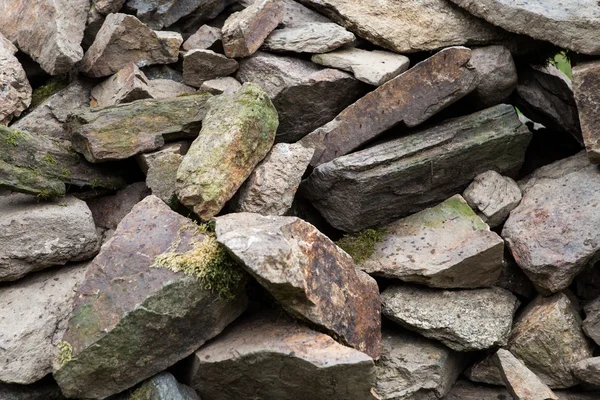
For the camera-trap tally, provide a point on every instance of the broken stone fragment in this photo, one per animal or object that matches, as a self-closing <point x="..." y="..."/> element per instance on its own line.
<point x="15" y="90"/>
<point x="226" y="85"/>
<point x="591" y="325"/>
<point x="586" y="80"/>
<point x="446" y="246"/>
<point x="108" y="211"/>
<point x="374" y="67"/>
<point x="237" y="133"/>
<point x="203" y="65"/>
<point x="315" y="37"/>
<point x="485" y="371"/>
<point x="246" y="361"/>
<point x="127" y="85"/>
<point x="464" y="320"/>
<point x="204" y="38"/>
<point x="140" y="308"/>
<point x="163" y="386"/>
<point x="308" y="275"/>
<point x="498" y="73"/>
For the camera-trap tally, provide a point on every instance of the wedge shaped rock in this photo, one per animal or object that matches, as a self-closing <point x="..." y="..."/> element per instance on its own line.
<point x="312" y="37"/>
<point x="203" y="65"/>
<point x="586" y="81"/>
<point x="127" y="85"/>
<point x="205" y="37"/>
<point x="15" y="93"/>
<point x="520" y="381"/>
<point x="227" y="85"/>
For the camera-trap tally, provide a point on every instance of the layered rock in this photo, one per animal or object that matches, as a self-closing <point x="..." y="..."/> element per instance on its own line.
<point x="15" y="91"/>
<point x="127" y="85"/>
<point x="315" y="37"/>
<point x="586" y="78"/>
<point x="227" y="85"/>
<point x="203" y="65"/>
<point x="520" y="381"/>
<point x="162" y="89"/>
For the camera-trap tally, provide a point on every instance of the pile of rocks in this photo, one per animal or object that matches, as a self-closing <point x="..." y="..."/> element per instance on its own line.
<point x="312" y="199"/>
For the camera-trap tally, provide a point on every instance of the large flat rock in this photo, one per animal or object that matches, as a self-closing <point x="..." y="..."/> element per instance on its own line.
<point x="586" y="82"/>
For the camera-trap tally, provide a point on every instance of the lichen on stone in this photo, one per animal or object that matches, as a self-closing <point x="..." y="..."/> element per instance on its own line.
<point x="42" y="93"/>
<point x="65" y="353"/>
<point x="142" y="393"/>
<point x="12" y="136"/>
<point x="361" y="245"/>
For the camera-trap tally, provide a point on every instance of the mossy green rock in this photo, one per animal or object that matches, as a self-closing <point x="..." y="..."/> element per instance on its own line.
<point x="237" y="133"/>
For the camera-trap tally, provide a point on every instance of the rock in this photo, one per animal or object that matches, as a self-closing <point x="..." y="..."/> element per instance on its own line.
<point x="410" y="98"/>
<point x="585" y="81"/>
<point x="15" y="91"/>
<point x="571" y="26"/>
<point x="552" y="233"/>
<point x="163" y="386"/>
<point x="122" y="131"/>
<point x="158" y="14"/>
<point x="498" y="74"/>
<point x="493" y="196"/>
<point x="162" y="178"/>
<point x="38" y="235"/>
<point x="247" y="362"/>
<point x="202" y="65"/>
<point x="108" y="211"/>
<point x="374" y="67"/>
<point x="591" y="325"/>
<point x="514" y="279"/>
<point x="127" y="85"/>
<point x="124" y="39"/>
<point x="312" y="37"/>
<point x="547" y="338"/>
<point x="154" y="72"/>
<point x="485" y="371"/>
<point x="412" y="365"/>
<point x="465" y="390"/>
<point x="237" y="133"/>
<point x="520" y="381"/>
<point x="204" y="38"/>
<point x="245" y="31"/>
<point x="162" y="89"/>
<point x="378" y="185"/>
<point x="295" y="13"/>
<point x="588" y="370"/>
<point x="306" y="96"/>
<point x="587" y="284"/>
<point x="271" y="187"/>
<point x="447" y="246"/>
<point x="50" y="32"/>
<point x="139" y="310"/>
<point x="148" y="159"/>
<point x="464" y="320"/>
<point x="408" y="27"/>
<point x="46" y="389"/>
<point x="307" y="274"/>
<point x="32" y="320"/>
<point x="226" y="85"/>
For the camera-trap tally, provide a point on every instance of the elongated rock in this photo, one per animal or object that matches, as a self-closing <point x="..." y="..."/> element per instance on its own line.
<point x="162" y="177"/>
<point x="202" y="65"/>
<point x="127" y="85"/>
<point x="308" y="275"/>
<point x="133" y="315"/>
<point x="410" y="98"/>
<point x="586" y="80"/>
<point x="378" y="185"/>
<point x="309" y="38"/>
<point x="122" y="131"/>
<point x="236" y="135"/>
<point x="246" y="363"/>
<point x="15" y="90"/>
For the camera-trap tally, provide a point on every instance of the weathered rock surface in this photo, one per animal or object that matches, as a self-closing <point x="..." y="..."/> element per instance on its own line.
<point x="410" y="98"/>
<point x="46" y="389"/>
<point x="124" y="39"/>
<point x="247" y="363"/>
<point x="591" y="325"/>
<point x="465" y="390"/>
<point x="162" y="89"/>
<point x="552" y="233"/>
<point x="115" y="336"/>
<point x="227" y="85"/>
<point x="163" y="386"/>
<point x="493" y="196"/>
<point x="15" y="90"/>
<point x="161" y="13"/>
<point x="205" y="37"/>
<point x="586" y="78"/>
<point x="313" y="37"/>
<point x="374" y="67"/>
<point x="271" y="187"/>
<point x="148" y="159"/>
<point x="308" y="275"/>
<point x="127" y="85"/>
<point x="162" y="177"/>
<point x="122" y="131"/>
<point x="295" y="13"/>
<point x="378" y="185"/>
<point x="464" y="320"/>
<point x="236" y="135"/>
<point x="447" y="246"/>
<point x="306" y="96"/>
<point x="50" y="32"/>
<point x="588" y="370"/>
<point x="485" y="371"/>
<point x="203" y="65"/>
<point x="108" y="211"/>
<point x="498" y="75"/>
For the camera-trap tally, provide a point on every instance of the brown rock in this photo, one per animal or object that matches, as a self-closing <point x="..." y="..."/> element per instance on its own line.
<point x="204" y="38"/>
<point x="586" y="81"/>
<point x="127" y="85"/>
<point x="465" y="390"/>
<point x="202" y="65"/>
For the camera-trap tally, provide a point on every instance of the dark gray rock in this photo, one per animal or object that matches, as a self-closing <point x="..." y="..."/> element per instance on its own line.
<point x="591" y="324"/>
<point x="163" y="386"/>
<point x="46" y="389"/>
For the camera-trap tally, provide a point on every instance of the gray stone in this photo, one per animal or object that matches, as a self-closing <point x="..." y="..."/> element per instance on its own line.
<point x="465" y="390"/>
<point x="15" y="91"/>
<point x="108" y="211"/>
<point x="306" y="96"/>
<point x="162" y="89"/>
<point x="588" y="370"/>
<point x="378" y="185"/>
<point x="591" y="325"/>
<point x="127" y="85"/>
<point x="374" y="67"/>
<point x="312" y="37"/>
<point x="203" y="65"/>
<point x="493" y="196"/>
<point x="514" y="279"/>
<point x="147" y="159"/>
<point x="447" y="246"/>
<point x="498" y="74"/>
<point x="205" y="37"/>
<point x="162" y="177"/>
<point x="158" y="14"/>
<point x="586" y="82"/>
<point x="295" y="13"/>
<point x="46" y="389"/>
<point x="226" y="85"/>
<point x="485" y="371"/>
<point x="464" y="320"/>
<point x="37" y="235"/>
<point x="163" y="386"/>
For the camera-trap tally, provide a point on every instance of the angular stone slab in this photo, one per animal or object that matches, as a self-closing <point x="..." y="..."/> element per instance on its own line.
<point x="295" y="13"/>
<point x="308" y="275"/>
<point x="205" y="37"/>
<point x="447" y="246"/>
<point x="15" y="95"/>
<point x="236" y="135"/>
<point x="464" y="320"/>
<point x="553" y="233"/>
<point x="122" y="131"/>
<point x="378" y="185"/>
<point x="163" y="386"/>
<point x="410" y="98"/>
<point x="248" y="359"/>
<point x="591" y="325"/>
<point x="586" y="82"/>
<point x="314" y="37"/>
<point x="147" y="159"/>
<point x="127" y="85"/>
<point x="162" y="89"/>
<point x="162" y="13"/>
<point x="133" y="318"/>
<point x="203" y="65"/>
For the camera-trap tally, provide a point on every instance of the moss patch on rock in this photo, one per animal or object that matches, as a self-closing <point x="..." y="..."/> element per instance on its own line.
<point x="361" y="245"/>
<point x="42" y="93"/>
<point x="65" y="353"/>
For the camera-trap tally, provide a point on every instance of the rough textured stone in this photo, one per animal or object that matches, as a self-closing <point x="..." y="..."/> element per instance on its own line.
<point x="374" y="67"/>
<point x="147" y="159"/>
<point x="498" y="74"/>
<point x="203" y="65"/>
<point x="226" y="85"/>
<point x="391" y="180"/>
<point x="127" y="85"/>
<point x="245" y="31"/>
<point x="275" y="358"/>
<point x="591" y="325"/>
<point x="553" y="233"/>
<point x="410" y="98"/>
<point x="49" y="31"/>
<point x="493" y="196"/>
<point x="163" y="386"/>
<point x="547" y="337"/>
<point x="306" y="96"/>
<point x="308" y="275"/>
<point x="32" y="320"/>
<point x="162" y="89"/>
<point x="161" y="13"/>
<point x="124" y="39"/>
<point x="46" y="389"/>
<point x="236" y="135"/>
<point x="588" y="370"/>
<point x="295" y="14"/>
<point x="271" y="187"/>
<point x="465" y="390"/>
<point x="313" y="37"/>
<point x="38" y="235"/>
<point x="204" y="38"/>
<point x="122" y="131"/>
<point x="108" y="211"/>
<point x="586" y="80"/>
<point x="15" y="91"/>
<point x="132" y="318"/>
<point x="162" y="178"/>
<point x="464" y="320"/>
<point x="485" y="371"/>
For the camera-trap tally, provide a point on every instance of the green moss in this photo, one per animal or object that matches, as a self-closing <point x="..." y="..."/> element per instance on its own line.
<point x="142" y="393"/>
<point x="42" y="93"/>
<point x="46" y="194"/>
<point x="12" y="137"/>
<point x="49" y="159"/>
<point x="65" y="353"/>
<point x="361" y="245"/>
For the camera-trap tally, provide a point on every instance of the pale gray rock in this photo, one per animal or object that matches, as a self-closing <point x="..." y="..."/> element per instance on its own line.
<point x="161" y="178"/>
<point x="374" y="67"/>
<point x="146" y="160"/>
<point x="493" y="196"/>
<point x="498" y="75"/>
<point x="15" y="90"/>
<point x="226" y="85"/>
<point x="158" y="14"/>
<point x="464" y="320"/>
<point x="203" y="65"/>
<point x="205" y="37"/>
<point x="313" y="37"/>
<point x="163" y="386"/>
<point x="162" y="89"/>
<point x="127" y="85"/>
<point x="588" y="370"/>
<point x="586" y="82"/>
<point x="591" y="325"/>
<point x="108" y="211"/>
<point x="37" y="235"/>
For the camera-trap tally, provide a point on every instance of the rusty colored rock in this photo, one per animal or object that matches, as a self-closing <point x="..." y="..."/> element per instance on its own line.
<point x="586" y="82"/>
